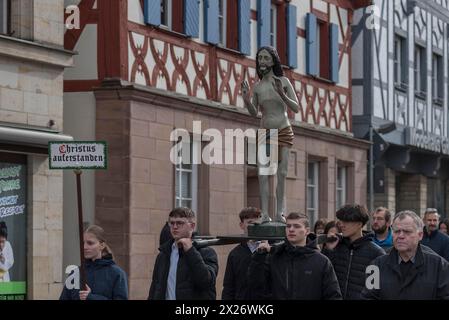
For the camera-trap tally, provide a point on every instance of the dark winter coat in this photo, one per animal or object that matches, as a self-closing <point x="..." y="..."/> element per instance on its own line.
<point x="438" y="242"/>
<point x="195" y="277"/>
<point x="106" y="280"/>
<point x="427" y="279"/>
<point x="288" y="272"/>
<point x="235" y="283"/>
<point x="350" y="261"/>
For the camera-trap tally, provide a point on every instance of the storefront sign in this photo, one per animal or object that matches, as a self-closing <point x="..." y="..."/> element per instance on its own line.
<point x="78" y="155"/>
<point x="13" y="217"/>
<point x="425" y="140"/>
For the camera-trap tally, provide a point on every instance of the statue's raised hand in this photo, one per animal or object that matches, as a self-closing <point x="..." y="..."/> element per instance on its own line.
<point x="277" y="85"/>
<point x="245" y="92"/>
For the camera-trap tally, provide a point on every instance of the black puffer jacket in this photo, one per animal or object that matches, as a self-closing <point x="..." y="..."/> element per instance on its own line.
<point x="298" y="273"/>
<point x="350" y="261"/>
<point x="428" y="278"/>
<point x="195" y="277"/>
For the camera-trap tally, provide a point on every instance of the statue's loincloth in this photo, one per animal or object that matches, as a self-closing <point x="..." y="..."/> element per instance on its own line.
<point x="284" y="138"/>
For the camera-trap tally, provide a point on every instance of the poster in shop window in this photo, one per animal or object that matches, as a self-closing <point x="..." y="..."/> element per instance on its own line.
<point x="13" y="215"/>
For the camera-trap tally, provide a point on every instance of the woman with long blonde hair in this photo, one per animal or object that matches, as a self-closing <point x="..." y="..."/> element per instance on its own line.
<point x="105" y="280"/>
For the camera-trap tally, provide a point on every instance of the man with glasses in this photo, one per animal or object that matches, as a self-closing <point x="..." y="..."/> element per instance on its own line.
<point x="294" y="270"/>
<point x="432" y="237"/>
<point x="182" y="272"/>
<point x="351" y="254"/>
<point x="411" y="271"/>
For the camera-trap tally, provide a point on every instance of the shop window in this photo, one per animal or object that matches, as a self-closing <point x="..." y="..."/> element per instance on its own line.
<point x="13" y="225"/>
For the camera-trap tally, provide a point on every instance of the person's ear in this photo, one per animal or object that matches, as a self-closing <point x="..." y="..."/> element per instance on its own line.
<point x="420" y="235"/>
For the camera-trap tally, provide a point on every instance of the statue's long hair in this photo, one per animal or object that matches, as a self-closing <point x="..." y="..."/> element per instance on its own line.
<point x="277" y="68"/>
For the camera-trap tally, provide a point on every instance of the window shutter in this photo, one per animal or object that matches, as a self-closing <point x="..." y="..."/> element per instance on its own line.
<point x="211" y="21"/>
<point x="292" y="46"/>
<point x="263" y="23"/>
<point x="245" y="27"/>
<point x="334" y="67"/>
<point x="311" y="45"/>
<point x="152" y="12"/>
<point x="191" y="18"/>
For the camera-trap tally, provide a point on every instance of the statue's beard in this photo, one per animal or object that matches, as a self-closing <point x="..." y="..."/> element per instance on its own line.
<point x="263" y="71"/>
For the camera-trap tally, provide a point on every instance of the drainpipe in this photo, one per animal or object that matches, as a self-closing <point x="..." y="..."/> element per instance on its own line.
<point x="371" y="168"/>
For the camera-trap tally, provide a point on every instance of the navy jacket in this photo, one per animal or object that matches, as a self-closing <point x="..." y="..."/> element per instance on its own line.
<point x="438" y="242"/>
<point x="106" y="280"/>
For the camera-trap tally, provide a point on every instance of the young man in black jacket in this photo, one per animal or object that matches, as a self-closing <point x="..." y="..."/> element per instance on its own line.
<point x="235" y="285"/>
<point x="351" y="254"/>
<point x="182" y="272"/>
<point x="411" y="271"/>
<point x="294" y="270"/>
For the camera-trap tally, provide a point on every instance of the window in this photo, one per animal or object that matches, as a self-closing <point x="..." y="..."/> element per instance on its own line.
<point x="222" y="22"/>
<point x="312" y="191"/>
<point x="13" y="214"/>
<point x="341" y="186"/>
<point x="437" y="77"/>
<point x="166" y="13"/>
<point x="420" y="70"/>
<point x="5" y="16"/>
<point x="273" y="22"/>
<point x="186" y="179"/>
<point x="180" y="15"/>
<point x="227" y="24"/>
<point x="323" y="49"/>
<point x="400" y="61"/>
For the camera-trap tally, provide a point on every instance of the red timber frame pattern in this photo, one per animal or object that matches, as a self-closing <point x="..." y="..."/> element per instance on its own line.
<point x="111" y="18"/>
<point x="165" y="57"/>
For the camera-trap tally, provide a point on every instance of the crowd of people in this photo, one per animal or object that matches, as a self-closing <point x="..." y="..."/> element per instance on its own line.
<point x="331" y="261"/>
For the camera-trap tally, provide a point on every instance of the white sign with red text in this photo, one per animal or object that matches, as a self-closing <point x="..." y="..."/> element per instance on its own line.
<point x="78" y="155"/>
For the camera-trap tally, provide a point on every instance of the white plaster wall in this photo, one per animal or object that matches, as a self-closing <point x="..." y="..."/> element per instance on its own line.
<point x="85" y="62"/>
<point x="79" y="116"/>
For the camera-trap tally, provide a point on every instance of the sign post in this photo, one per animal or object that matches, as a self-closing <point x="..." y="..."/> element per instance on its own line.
<point x="83" y="277"/>
<point x="78" y="155"/>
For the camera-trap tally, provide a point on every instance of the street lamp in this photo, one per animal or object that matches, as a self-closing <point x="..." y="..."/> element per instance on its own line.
<point x="382" y="129"/>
